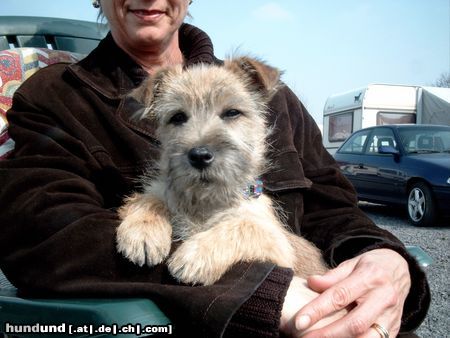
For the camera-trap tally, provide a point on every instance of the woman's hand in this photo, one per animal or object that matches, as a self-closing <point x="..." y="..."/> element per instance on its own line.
<point x="373" y="285"/>
<point x="299" y="295"/>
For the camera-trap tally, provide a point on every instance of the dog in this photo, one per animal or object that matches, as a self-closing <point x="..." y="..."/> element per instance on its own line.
<point x="212" y="127"/>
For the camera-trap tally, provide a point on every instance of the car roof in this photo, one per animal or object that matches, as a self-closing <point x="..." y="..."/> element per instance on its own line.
<point x="406" y="126"/>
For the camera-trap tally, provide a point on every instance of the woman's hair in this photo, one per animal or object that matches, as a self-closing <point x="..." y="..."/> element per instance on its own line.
<point x="100" y="16"/>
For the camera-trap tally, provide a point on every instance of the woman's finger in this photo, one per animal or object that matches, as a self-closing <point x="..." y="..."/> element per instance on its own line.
<point x="381" y="326"/>
<point x="378" y="306"/>
<point x="335" y="298"/>
<point x="320" y="283"/>
<point x="373" y="333"/>
<point x="390" y="321"/>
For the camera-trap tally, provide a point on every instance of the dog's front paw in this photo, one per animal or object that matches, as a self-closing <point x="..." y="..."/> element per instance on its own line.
<point x="195" y="263"/>
<point x="144" y="241"/>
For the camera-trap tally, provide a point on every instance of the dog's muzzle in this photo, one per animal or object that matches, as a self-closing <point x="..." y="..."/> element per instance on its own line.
<point x="200" y="157"/>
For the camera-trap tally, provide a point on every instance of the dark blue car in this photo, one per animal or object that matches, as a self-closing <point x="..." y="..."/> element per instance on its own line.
<point x="401" y="165"/>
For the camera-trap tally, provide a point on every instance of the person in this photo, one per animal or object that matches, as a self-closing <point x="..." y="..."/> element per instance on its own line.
<point x="78" y="152"/>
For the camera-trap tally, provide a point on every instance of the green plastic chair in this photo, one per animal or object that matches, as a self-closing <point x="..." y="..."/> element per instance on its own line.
<point x="53" y="33"/>
<point x="22" y="317"/>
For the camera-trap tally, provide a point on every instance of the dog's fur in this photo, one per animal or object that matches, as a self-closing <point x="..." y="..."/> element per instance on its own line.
<point x="223" y="109"/>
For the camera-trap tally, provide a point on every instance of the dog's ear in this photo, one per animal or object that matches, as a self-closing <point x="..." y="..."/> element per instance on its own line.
<point x="149" y="90"/>
<point x="262" y="77"/>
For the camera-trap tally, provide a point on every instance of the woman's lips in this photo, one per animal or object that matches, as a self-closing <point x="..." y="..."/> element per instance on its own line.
<point x="147" y="15"/>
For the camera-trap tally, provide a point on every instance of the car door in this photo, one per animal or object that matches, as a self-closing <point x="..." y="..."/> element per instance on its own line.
<point x="380" y="175"/>
<point x="350" y="155"/>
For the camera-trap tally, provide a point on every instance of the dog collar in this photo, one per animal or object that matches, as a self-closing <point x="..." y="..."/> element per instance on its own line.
<point x="253" y="190"/>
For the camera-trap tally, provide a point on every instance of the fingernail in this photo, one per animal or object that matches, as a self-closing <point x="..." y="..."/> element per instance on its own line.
<point x="302" y="322"/>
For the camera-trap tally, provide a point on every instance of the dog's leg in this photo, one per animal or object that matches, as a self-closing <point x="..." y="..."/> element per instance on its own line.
<point x="253" y="234"/>
<point x="145" y="234"/>
<point x="308" y="258"/>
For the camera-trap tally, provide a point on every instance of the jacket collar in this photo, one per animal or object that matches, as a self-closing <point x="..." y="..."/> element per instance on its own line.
<point x="113" y="73"/>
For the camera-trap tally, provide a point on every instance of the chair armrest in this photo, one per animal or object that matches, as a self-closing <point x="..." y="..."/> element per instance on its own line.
<point x="90" y="317"/>
<point x="423" y="259"/>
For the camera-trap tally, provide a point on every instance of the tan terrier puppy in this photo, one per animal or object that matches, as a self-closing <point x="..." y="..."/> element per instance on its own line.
<point x="212" y="128"/>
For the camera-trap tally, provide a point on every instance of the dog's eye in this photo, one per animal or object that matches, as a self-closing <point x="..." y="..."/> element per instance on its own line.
<point x="178" y="119"/>
<point x="231" y="114"/>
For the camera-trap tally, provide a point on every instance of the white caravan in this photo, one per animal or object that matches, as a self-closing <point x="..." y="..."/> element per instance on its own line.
<point x="380" y="104"/>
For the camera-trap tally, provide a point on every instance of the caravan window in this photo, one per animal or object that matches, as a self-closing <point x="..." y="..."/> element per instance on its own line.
<point x="340" y="127"/>
<point x="384" y="118"/>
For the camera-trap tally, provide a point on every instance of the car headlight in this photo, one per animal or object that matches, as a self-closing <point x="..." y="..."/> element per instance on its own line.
<point x="448" y="181"/>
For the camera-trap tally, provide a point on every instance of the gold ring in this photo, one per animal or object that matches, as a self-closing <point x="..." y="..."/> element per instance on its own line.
<point x="381" y="330"/>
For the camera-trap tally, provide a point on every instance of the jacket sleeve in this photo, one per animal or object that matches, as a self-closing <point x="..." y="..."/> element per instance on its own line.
<point x="58" y="222"/>
<point x="329" y="214"/>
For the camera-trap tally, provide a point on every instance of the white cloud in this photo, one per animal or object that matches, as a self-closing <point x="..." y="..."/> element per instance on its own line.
<point x="272" y="11"/>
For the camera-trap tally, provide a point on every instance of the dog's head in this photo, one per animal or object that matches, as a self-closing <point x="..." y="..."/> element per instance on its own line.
<point x="211" y="120"/>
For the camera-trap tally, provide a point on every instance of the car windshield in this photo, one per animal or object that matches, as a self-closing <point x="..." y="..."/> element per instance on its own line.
<point x="425" y="139"/>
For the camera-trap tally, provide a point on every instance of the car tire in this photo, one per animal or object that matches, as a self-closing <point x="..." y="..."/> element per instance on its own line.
<point x="420" y="205"/>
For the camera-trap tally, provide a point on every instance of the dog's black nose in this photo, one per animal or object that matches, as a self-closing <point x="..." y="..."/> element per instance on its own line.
<point x="200" y="157"/>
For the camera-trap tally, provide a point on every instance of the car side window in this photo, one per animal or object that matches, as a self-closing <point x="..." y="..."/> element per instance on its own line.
<point x="355" y="144"/>
<point x="381" y="137"/>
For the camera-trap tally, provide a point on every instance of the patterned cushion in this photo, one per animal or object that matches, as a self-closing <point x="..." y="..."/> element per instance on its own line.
<point x="17" y="65"/>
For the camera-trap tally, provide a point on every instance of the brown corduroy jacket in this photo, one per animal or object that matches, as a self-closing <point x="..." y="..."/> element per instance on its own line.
<point x="77" y="154"/>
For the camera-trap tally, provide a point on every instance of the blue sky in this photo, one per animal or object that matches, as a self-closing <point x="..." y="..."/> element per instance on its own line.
<point x="323" y="46"/>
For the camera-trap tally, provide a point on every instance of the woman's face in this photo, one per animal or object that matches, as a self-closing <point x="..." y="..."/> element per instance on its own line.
<point x="144" y="25"/>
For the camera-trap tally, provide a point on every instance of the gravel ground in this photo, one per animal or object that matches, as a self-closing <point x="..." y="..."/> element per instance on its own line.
<point x="436" y="242"/>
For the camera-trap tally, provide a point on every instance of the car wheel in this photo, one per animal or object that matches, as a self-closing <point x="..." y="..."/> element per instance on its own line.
<point x="421" y="207"/>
